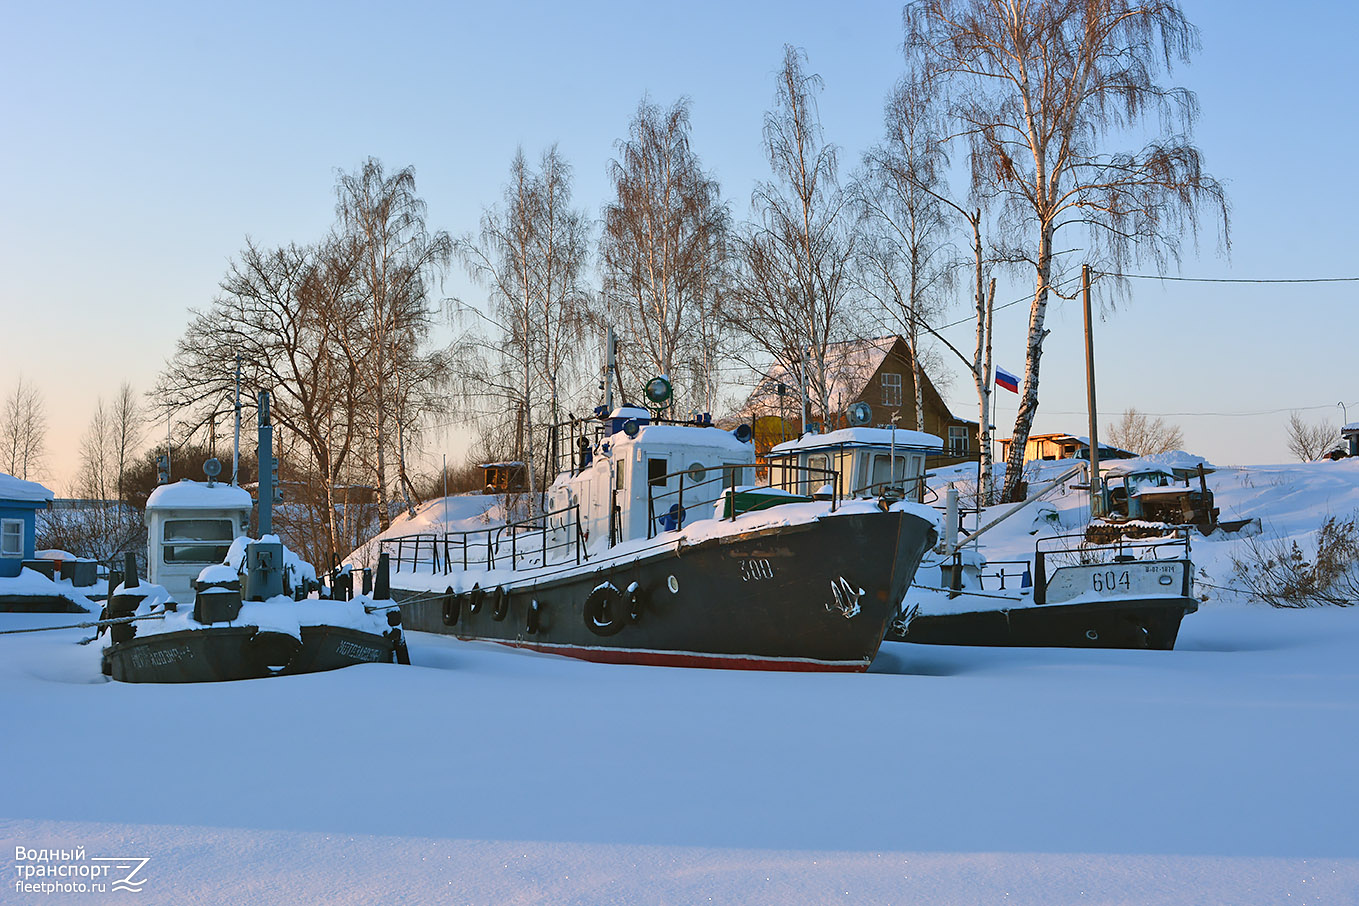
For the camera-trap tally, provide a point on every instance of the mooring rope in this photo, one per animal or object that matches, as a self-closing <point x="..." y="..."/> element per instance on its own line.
<point x="91" y="625"/>
<point x="966" y="591"/>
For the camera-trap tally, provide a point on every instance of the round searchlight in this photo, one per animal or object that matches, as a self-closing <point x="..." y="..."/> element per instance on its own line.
<point x="658" y="390"/>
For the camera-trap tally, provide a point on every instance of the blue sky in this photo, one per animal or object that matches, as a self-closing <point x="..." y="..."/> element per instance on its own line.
<point x="144" y="142"/>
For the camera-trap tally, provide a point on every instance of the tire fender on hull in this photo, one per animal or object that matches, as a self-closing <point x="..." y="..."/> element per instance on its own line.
<point x="452" y="607"/>
<point x="605" y="610"/>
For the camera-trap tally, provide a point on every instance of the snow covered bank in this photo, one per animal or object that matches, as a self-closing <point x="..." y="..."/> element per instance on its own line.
<point x="1217" y="773"/>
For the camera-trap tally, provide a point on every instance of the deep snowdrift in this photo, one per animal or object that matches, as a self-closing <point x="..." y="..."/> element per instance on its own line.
<point x="1215" y="773"/>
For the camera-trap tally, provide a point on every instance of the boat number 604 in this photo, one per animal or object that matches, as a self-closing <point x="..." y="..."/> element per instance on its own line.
<point x="1111" y="580"/>
<point x="755" y="570"/>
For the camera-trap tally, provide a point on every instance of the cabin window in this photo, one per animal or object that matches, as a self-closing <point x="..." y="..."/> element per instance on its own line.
<point x="697" y="472"/>
<point x="196" y="540"/>
<point x="957" y="440"/>
<point x="733" y="475"/>
<point x="198" y="530"/>
<point x="816" y="480"/>
<point x="883" y="475"/>
<point x="12" y="538"/>
<point x="891" y="389"/>
<point x="655" y="472"/>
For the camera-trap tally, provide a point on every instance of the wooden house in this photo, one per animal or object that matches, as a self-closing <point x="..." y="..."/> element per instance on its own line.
<point x="877" y="372"/>
<point x="19" y="504"/>
<point x="1062" y="446"/>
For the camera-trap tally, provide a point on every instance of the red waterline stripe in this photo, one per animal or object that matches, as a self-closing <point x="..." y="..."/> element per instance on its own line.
<point x="651" y="658"/>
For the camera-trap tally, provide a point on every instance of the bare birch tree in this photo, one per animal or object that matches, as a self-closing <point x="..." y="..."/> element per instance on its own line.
<point x="23" y="432"/>
<point x="384" y="218"/>
<point x="531" y="255"/>
<point x="663" y="251"/>
<point x="903" y="254"/>
<point x="1144" y="434"/>
<point x="128" y="422"/>
<point x="795" y="259"/>
<point x="1309" y="441"/>
<point x="280" y="311"/>
<point x="102" y="525"/>
<point x="1041" y="90"/>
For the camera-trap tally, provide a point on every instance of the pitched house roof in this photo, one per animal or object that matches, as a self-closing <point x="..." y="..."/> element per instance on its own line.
<point x="849" y="368"/>
<point x="16" y="489"/>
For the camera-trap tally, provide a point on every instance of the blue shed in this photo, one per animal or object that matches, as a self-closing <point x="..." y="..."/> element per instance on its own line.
<point x="19" y="502"/>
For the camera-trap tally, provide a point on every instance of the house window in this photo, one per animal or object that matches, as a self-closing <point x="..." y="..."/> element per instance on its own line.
<point x="12" y="538"/>
<point x="957" y="440"/>
<point x="891" y="389"/>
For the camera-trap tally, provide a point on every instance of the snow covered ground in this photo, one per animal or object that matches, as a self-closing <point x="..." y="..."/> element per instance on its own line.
<point x="1220" y="772"/>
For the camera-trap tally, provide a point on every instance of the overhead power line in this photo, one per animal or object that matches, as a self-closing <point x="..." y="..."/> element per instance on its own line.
<point x="1250" y="414"/>
<point x="1239" y="279"/>
<point x="970" y="320"/>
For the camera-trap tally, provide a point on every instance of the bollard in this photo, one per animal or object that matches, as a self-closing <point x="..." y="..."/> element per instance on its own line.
<point x="382" y="589"/>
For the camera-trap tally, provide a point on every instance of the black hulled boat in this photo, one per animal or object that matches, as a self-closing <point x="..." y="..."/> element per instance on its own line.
<point x="656" y="548"/>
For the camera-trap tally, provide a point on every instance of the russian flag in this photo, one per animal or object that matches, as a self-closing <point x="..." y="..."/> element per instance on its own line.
<point x="1007" y="380"/>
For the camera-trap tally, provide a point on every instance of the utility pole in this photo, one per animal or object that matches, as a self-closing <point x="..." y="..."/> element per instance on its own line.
<point x="236" y="443"/>
<point x="264" y="455"/>
<point x="611" y="365"/>
<point x="1096" y="501"/>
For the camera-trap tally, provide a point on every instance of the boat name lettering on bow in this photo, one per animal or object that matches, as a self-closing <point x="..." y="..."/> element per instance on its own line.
<point x="755" y="570"/>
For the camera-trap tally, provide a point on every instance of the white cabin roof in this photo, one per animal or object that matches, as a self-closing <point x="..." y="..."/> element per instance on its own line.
<point x="198" y="495"/>
<point x="860" y="437"/>
<point x="682" y="437"/>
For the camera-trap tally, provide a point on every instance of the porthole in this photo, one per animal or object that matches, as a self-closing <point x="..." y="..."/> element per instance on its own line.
<point x="673" y="584"/>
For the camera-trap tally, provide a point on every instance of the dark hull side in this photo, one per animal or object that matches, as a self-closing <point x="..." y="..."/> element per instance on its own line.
<point x="814" y="596"/>
<point x="224" y="653"/>
<point x="38" y="604"/>
<point x="1149" y="623"/>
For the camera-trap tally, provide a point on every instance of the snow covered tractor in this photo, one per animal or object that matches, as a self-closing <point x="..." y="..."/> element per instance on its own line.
<point x="1137" y="491"/>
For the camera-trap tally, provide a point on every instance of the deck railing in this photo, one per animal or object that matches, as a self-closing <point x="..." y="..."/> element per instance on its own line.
<point x="1074" y="550"/>
<point x="666" y="509"/>
<point x="553" y="537"/>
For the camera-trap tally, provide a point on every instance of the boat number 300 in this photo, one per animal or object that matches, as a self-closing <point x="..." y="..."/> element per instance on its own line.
<point x="1111" y="580"/>
<point x="755" y="570"/>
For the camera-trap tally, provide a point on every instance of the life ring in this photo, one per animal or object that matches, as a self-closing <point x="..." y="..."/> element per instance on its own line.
<point x="604" y="611"/>
<point x="531" y="623"/>
<point x="452" y="607"/>
<point x="474" y="599"/>
<point x="500" y="603"/>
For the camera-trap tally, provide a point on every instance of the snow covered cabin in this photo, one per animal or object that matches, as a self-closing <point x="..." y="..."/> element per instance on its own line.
<point x="868" y="460"/>
<point x="637" y="464"/>
<point x="20" y="501"/>
<point x="190" y="525"/>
